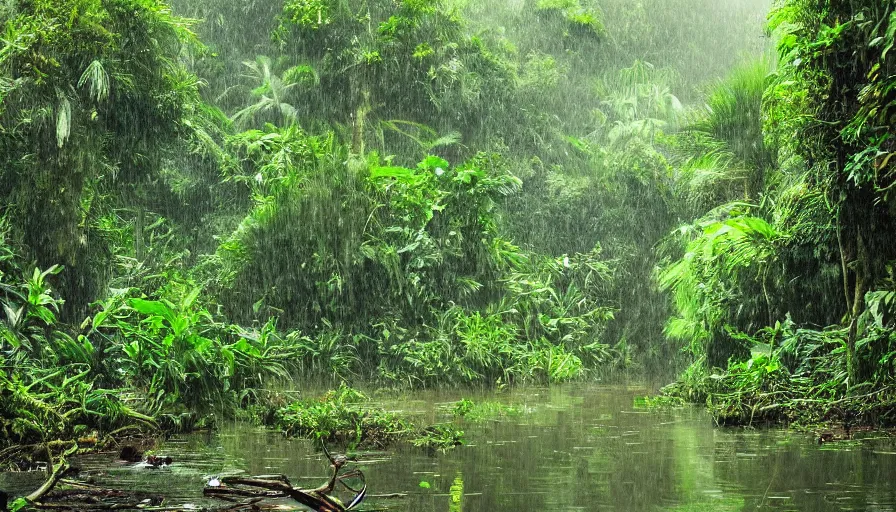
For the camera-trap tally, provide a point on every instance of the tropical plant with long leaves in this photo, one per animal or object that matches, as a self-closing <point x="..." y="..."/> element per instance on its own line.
<point x="272" y="94"/>
<point x="725" y="262"/>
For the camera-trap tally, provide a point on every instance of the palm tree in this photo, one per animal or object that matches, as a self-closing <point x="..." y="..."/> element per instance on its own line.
<point x="272" y="95"/>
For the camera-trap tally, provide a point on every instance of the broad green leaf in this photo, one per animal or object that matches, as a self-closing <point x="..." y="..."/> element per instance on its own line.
<point x="152" y="308"/>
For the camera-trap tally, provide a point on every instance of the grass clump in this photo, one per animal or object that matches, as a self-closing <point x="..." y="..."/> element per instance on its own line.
<point x="481" y="411"/>
<point x="441" y="437"/>
<point x="659" y="402"/>
<point x="345" y="416"/>
<point x="341" y="416"/>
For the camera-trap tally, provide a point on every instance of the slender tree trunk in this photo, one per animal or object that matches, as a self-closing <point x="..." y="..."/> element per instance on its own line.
<point x="844" y="264"/>
<point x="858" y="306"/>
<point x="768" y="299"/>
<point x="139" y="223"/>
<point x="358" y="125"/>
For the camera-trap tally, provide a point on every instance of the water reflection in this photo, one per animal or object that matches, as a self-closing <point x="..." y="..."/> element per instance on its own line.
<point x="574" y="448"/>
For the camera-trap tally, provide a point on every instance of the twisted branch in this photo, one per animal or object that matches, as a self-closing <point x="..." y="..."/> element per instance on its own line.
<point x="278" y="486"/>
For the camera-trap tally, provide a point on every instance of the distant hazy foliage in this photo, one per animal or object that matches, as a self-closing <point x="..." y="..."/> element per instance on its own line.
<point x="272" y="94"/>
<point x="69" y="70"/>
<point x="575" y="13"/>
<point x="726" y="156"/>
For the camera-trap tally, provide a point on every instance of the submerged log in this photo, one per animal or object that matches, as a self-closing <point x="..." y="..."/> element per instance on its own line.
<point x="96" y="499"/>
<point x="278" y="486"/>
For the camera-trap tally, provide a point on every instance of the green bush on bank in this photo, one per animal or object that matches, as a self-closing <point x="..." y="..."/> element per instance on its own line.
<point x="134" y="361"/>
<point x="166" y="357"/>
<point x="799" y="376"/>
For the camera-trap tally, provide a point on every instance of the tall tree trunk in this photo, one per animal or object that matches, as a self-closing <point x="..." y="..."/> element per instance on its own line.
<point x="844" y="264"/>
<point x="860" y="287"/>
<point x="358" y="124"/>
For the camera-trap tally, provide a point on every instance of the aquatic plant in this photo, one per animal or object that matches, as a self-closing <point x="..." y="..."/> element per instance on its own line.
<point x="478" y="411"/>
<point x="438" y="437"/>
<point x="345" y="416"/>
<point x="340" y="416"/>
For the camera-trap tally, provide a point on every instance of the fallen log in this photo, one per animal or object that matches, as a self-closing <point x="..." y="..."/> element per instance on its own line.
<point x="82" y="496"/>
<point x="278" y="486"/>
<point x="97" y="498"/>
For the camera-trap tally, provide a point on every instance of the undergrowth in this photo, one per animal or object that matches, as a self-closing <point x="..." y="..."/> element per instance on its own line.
<point x="799" y="377"/>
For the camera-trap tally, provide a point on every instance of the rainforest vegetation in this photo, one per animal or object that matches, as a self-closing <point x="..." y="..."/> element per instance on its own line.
<point x="201" y="201"/>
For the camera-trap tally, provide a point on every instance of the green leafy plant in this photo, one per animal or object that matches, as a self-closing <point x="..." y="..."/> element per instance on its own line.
<point x="344" y="416"/>
<point x="177" y="353"/>
<point x="479" y="411"/>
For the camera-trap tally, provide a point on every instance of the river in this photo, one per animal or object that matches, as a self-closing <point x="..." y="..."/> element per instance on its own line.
<point x="569" y="448"/>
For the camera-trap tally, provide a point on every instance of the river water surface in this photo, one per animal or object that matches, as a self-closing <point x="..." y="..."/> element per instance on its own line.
<point x="570" y="448"/>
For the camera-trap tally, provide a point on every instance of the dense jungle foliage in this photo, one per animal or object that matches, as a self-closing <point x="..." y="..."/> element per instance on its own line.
<point x="202" y="200"/>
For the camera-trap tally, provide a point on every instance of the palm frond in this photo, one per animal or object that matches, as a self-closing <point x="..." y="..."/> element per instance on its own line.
<point x="97" y="79"/>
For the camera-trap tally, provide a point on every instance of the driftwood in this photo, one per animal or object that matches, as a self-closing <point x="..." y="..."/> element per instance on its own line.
<point x="244" y="493"/>
<point x="278" y="486"/>
<point x="83" y="496"/>
<point x="55" y="475"/>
